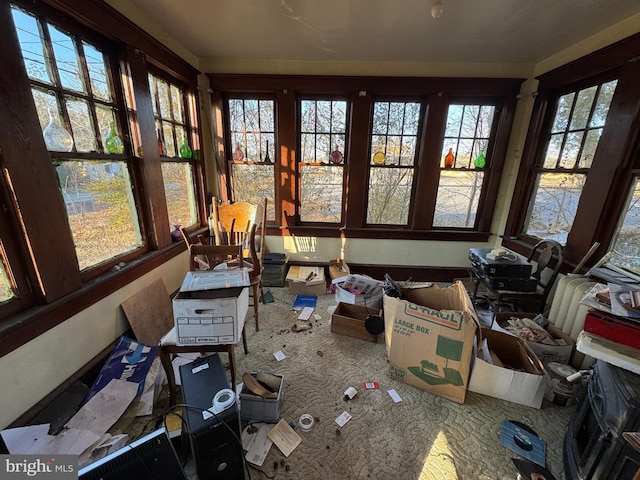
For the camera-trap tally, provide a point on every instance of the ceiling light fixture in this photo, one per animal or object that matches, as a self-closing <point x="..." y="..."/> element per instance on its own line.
<point x="437" y="9"/>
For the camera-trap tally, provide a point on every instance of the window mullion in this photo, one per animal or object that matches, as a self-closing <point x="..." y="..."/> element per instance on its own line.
<point x="53" y="275"/>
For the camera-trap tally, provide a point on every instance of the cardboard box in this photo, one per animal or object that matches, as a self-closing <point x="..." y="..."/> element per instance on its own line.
<point x="299" y="285"/>
<point x="257" y="409"/>
<point x="349" y="320"/>
<point x="523" y="382"/>
<point x="210" y="317"/>
<point x="338" y="268"/>
<point x="545" y="353"/>
<point x="358" y="290"/>
<point x="430" y="338"/>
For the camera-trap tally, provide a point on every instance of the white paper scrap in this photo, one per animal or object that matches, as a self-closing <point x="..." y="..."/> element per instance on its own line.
<point x="257" y="444"/>
<point x="317" y="317"/>
<point x="279" y="355"/>
<point x="343" y="418"/>
<point x="394" y="395"/>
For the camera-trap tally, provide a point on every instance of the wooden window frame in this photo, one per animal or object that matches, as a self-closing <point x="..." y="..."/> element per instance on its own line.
<point x="435" y="94"/>
<point x="37" y="241"/>
<point x="616" y="158"/>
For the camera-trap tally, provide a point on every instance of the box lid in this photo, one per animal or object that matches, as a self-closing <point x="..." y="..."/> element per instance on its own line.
<point x="297" y="273"/>
<point x="215" y="279"/>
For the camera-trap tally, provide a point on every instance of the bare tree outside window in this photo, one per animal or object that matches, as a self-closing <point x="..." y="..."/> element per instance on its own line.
<point x="571" y="145"/>
<point x="6" y="289"/>
<point x="466" y="143"/>
<point x="170" y="109"/>
<point x="71" y="87"/>
<point x="394" y="139"/>
<point x="626" y="242"/>
<point x="253" y="151"/>
<point x="323" y="125"/>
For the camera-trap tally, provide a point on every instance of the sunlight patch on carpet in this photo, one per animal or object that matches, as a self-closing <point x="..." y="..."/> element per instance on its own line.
<point x="439" y="464"/>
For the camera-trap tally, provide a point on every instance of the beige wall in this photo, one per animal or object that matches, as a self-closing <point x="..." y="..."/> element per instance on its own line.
<point x="32" y="371"/>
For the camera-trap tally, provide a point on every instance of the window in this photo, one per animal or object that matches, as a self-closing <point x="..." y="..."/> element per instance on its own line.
<point x="252" y="150"/>
<point x="626" y="241"/>
<point x="463" y="161"/>
<point x="580" y="159"/>
<point x="177" y="137"/>
<point x="6" y="289"/>
<point x="360" y="157"/>
<point x="323" y="126"/>
<point x="570" y="147"/>
<point x="394" y="140"/>
<point x="75" y="96"/>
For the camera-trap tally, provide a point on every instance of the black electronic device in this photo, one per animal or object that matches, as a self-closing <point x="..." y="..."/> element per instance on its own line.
<point x="518" y="284"/>
<point x="509" y="265"/>
<point x="214" y="438"/>
<point x="148" y="458"/>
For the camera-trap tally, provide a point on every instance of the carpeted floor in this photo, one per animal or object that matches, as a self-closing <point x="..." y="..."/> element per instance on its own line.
<point x="423" y="437"/>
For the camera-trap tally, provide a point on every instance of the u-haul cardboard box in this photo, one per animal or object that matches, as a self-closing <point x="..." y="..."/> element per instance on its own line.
<point x="430" y="336"/>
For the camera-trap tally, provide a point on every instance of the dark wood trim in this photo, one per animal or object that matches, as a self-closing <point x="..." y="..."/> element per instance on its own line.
<point x="151" y="169"/>
<point x="24" y="327"/>
<point x="31" y="178"/>
<point x="600" y="61"/>
<point x="333" y="85"/>
<point x="610" y="175"/>
<point x="603" y="192"/>
<point x="357" y="178"/>
<point x="337" y="231"/>
<point x="417" y="273"/>
<point x="435" y="94"/>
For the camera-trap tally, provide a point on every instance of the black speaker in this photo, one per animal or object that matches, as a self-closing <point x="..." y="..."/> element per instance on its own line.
<point x="215" y="439"/>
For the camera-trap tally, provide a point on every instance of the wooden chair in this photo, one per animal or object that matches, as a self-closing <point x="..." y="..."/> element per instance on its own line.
<point x="548" y="255"/>
<point x="187" y="239"/>
<point x="150" y="314"/>
<point x="253" y="218"/>
<point x="256" y="257"/>
<point x="231" y="222"/>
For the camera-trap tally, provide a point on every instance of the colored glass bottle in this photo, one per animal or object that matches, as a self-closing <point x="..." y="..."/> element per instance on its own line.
<point x="336" y="156"/>
<point x="480" y="161"/>
<point x="185" y="150"/>
<point x="237" y="153"/>
<point x="449" y="160"/>
<point x="176" y="233"/>
<point x="56" y="136"/>
<point x="267" y="159"/>
<point x="112" y="142"/>
<point x="162" y="149"/>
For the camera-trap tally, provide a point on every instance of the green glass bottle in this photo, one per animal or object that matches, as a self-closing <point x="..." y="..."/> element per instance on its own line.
<point x="185" y="150"/>
<point x="112" y="142"/>
<point x="480" y="161"/>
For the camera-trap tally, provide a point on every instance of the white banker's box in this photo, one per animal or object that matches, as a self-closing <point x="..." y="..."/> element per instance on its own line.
<point x="211" y="307"/>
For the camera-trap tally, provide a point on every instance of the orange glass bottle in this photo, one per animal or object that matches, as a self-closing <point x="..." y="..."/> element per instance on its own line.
<point x="162" y="149"/>
<point x="449" y="160"/>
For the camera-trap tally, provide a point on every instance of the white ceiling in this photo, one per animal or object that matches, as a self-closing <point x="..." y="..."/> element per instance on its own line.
<point x="479" y="31"/>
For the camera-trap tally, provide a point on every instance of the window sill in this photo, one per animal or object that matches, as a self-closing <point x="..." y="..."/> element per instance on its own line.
<point x="23" y="327"/>
<point x="388" y="233"/>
